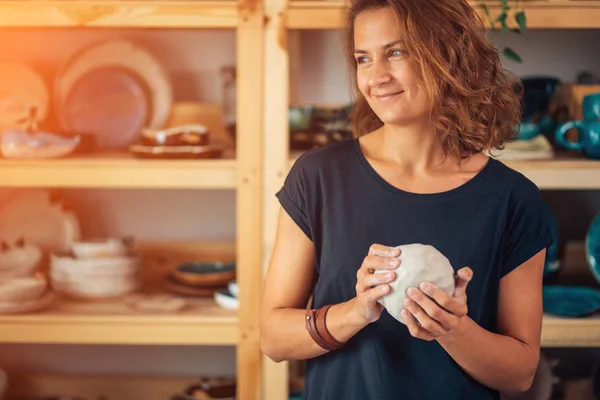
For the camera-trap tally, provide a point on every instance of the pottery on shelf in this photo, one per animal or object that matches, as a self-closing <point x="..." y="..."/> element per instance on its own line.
<point x="205" y="273"/>
<point x="100" y="248"/>
<point x="226" y="299"/>
<point x="19" y="260"/>
<point x="592" y="246"/>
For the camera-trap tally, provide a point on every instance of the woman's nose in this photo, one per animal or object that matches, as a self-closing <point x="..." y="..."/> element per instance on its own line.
<point x="380" y="73"/>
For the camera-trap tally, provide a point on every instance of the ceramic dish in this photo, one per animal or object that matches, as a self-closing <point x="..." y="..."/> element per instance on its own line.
<point x="94" y="287"/>
<point x="227" y="300"/>
<point x="177" y="152"/>
<point x="205" y="273"/>
<point x="233" y="288"/>
<point x="125" y="55"/>
<point x="23" y="257"/>
<point x="175" y="286"/>
<point x="185" y="135"/>
<point x="99" y="267"/>
<point x="21" y="90"/>
<point x="112" y="103"/>
<point x="100" y="248"/>
<point x="31" y="214"/>
<point x="23" y="289"/>
<point x="28" y="306"/>
<point x="570" y="301"/>
<point x="592" y="247"/>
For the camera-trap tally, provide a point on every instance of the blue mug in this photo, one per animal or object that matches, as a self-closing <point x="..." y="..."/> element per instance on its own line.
<point x="589" y="137"/>
<point x="591" y="107"/>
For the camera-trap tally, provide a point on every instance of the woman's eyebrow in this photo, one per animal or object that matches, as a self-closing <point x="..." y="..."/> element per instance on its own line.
<point x="387" y="46"/>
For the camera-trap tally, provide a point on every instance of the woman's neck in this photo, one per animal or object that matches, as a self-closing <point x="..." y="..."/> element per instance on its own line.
<point x="414" y="147"/>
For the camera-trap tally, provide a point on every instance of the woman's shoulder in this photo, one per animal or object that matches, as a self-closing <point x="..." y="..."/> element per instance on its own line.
<point x="326" y="157"/>
<point x="512" y="182"/>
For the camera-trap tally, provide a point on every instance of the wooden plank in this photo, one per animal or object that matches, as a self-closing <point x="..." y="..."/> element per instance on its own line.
<point x="114" y="322"/>
<point x="116" y="13"/>
<point x="249" y="195"/>
<point x="119" y="170"/>
<point x="37" y="385"/>
<point x="560" y="14"/>
<point x="279" y="42"/>
<point x="570" y="332"/>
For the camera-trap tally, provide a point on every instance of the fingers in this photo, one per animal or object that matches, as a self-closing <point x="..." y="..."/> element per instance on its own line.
<point x="372" y="263"/>
<point x="414" y="328"/>
<point x="433" y="310"/>
<point x="383" y="251"/>
<point x="463" y="277"/>
<point x="369" y="281"/>
<point x="426" y="322"/>
<point x="454" y="305"/>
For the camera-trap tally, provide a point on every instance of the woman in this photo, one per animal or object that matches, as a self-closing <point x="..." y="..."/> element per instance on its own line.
<point x="431" y="99"/>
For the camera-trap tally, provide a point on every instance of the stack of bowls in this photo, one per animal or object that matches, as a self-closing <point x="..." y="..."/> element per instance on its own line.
<point x="201" y="279"/>
<point x="96" y="269"/>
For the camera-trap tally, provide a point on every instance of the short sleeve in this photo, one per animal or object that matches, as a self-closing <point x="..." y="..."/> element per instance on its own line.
<point x="293" y="196"/>
<point x="528" y="227"/>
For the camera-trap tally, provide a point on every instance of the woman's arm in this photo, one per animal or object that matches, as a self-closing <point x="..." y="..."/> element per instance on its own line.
<point x="506" y="361"/>
<point x="288" y="286"/>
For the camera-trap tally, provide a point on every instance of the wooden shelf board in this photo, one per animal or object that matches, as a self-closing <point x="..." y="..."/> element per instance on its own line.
<point x="119" y="170"/>
<point x="118" y="13"/>
<point x="570" y="332"/>
<point x="541" y="14"/>
<point x="562" y="173"/>
<point x="113" y="322"/>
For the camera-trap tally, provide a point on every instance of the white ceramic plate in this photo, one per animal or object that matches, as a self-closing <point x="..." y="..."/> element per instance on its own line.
<point x="31" y="215"/>
<point x="227" y="300"/>
<point x="126" y="55"/>
<point x="21" y="88"/>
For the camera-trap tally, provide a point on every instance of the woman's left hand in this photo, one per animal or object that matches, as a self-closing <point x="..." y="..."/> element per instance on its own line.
<point x="430" y="313"/>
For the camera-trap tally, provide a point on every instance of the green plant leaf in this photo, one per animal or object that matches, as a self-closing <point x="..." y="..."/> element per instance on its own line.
<point x="502" y="19"/>
<point x="486" y="11"/>
<point x="521" y="20"/>
<point x="511" y="55"/>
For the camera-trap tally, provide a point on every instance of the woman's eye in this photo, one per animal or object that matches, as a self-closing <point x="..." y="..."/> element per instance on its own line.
<point x="396" y="53"/>
<point x="361" y="60"/>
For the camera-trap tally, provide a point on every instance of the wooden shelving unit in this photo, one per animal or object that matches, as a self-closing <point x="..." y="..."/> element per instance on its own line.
<point x="204" y="323"/>
<point x="541" y="14"/>
<point x="281" y="47"/>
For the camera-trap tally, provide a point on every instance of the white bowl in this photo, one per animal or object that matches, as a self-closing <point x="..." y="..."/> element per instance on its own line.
<point x="23" y="258"/>
<point x="111" y="247"/>
<point x="22" y="289"/>
<point x="226" y="300"/>
<point x="94" y="266"/>
<point x="233" y="288"/>
<point x="94" y="287"/>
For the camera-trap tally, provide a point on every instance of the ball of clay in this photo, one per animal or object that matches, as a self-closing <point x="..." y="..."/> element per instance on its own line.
<point x="418" y="263"/>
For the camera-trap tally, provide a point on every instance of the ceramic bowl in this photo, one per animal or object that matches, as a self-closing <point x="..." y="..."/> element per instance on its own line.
<point x="205" y="273"/>
<point x="233" y="288"/>
<point x="94" y="287"/>
<point x="22" y="289"/>
<point x="122" y="265"/>
<point x="570" y="301"/>
<point x="23" y="257"/>
<point x="592" y="247"/>
<point x="226" y="299"/>
<point x="100" y="248"/>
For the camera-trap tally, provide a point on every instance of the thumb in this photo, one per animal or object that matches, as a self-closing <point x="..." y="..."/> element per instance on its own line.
<point x="462" y="279"/>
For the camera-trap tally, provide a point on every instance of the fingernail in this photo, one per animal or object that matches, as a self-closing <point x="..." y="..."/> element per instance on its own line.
<point x="406" y="302"/>
<point x="389" y="275"/>
<point x="394" y="262"/>
<point x="412" y="291"/>
<point x="383" y="288"/>
<point x="426" y="287"/>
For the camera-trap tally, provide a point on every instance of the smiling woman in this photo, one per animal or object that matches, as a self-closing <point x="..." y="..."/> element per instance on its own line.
<point x="431" y="98"/>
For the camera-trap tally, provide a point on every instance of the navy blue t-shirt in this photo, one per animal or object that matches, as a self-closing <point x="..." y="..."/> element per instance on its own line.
<point x="492" y="223"/>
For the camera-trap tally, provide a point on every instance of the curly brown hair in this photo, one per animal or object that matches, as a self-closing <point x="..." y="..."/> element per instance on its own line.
<point x="475" y="103"/>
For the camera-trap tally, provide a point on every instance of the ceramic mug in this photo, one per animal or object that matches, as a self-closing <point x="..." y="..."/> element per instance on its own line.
<point x="589" y="137"/>
<point x="591" y="107"/>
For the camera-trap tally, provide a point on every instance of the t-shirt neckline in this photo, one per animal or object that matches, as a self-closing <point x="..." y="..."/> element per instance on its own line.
<point x="465" y="187"/>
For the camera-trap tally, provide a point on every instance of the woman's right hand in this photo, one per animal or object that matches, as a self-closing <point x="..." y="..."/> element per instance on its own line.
<point x="370" y="286"/>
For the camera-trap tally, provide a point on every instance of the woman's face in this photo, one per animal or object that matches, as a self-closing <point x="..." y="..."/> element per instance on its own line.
<point x="383" y="75"/>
